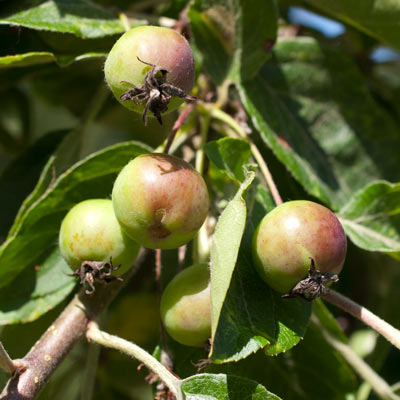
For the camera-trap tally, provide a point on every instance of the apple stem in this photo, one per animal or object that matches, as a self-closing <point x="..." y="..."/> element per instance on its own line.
<point x="6" y="363"/>
<point x="380" y="386"/>
<point x="226" y="118"/>
<point x="94" y="334"/>
<point x="379" y="325"/>
<point x="177" y="126"/>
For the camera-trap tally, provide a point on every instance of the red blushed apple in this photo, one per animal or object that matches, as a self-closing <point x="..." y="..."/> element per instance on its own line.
<point x="292" y="234"/>
<point x="160" y="200"/>
<point x="159" y="46"/>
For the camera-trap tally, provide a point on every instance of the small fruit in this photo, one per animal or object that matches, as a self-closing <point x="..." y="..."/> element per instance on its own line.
<point x="186" y="306"/>
<point x="160" y="200"/>
<point x="132" y="57"/>
<point x="292" y="234"/>
<point x="90" y="232"/>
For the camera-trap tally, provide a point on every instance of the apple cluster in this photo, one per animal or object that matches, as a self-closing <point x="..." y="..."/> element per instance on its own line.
<point x="159" y="201"/>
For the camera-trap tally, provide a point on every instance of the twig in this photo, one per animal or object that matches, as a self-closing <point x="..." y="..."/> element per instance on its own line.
<point x="226" y="118"/>
<point x="177" y="125"/>
<point x="6" y="363"/>
<point x="380" y="386"/>
<point x="379" y="325"/>
<point x="132" y="350"/>
<point x="48" y="352"/>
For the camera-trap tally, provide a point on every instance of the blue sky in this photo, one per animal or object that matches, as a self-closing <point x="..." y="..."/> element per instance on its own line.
<point x="331" y="28"/>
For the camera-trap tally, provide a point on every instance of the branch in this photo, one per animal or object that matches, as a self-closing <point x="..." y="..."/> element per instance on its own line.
<point x="48" y="352"/>
<point x="171" y="381"/>
<point x="380" y="386"/>
<point x="379" y="325"/>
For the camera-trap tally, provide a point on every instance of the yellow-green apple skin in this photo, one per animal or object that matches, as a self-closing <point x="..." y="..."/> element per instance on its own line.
<point x="186" y="306"/>
<point x="91" y="232"/>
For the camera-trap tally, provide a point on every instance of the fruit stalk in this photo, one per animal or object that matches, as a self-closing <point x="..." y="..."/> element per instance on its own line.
<point x="177" y="126"/>
<point x="96" y="335"/>
<point x="389" y="332"/>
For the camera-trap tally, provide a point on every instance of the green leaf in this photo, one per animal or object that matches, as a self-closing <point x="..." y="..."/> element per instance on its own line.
<point x="66" y="154"/>
<point x="23" y="60"/>
<point x="36" y="290"/>
<point x="314" y="357"/>
<point x="211" y="40"/>
<point x="379" y="19"/>
<point x="224" y="387"/>
<point x="92" y="177"/>
<point x="253" y="316"/>
<point x="224" y="250"/>
<point x="82" y="18"/>
<point x="230" y="155"/>
<point x="372" y="217"/>
<point x="293" y="375"/>
<point x="20" y="177"/>
<point x="235" y="37"/>
<point x="327" y="320"/>
<point x="255" y="34"/>
<point x="385" y="81"/>
<point x="327" y="140"/>
<point x="44" y="57"/>
<point x="43" y="183"/>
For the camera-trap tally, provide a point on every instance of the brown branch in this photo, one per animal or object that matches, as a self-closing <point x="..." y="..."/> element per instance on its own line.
<point x="39" y="364"/>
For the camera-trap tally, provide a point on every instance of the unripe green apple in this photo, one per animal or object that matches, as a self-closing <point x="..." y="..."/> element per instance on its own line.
<point x="160" y="200"/>
<point x="186" y="306"/>
<point x="90" y="232"/>
<point x="290" y="235"/>
<point x="160" y="46"/>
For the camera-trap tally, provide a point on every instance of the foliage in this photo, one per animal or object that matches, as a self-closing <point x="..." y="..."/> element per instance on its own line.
<point x="321" y="114"/>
